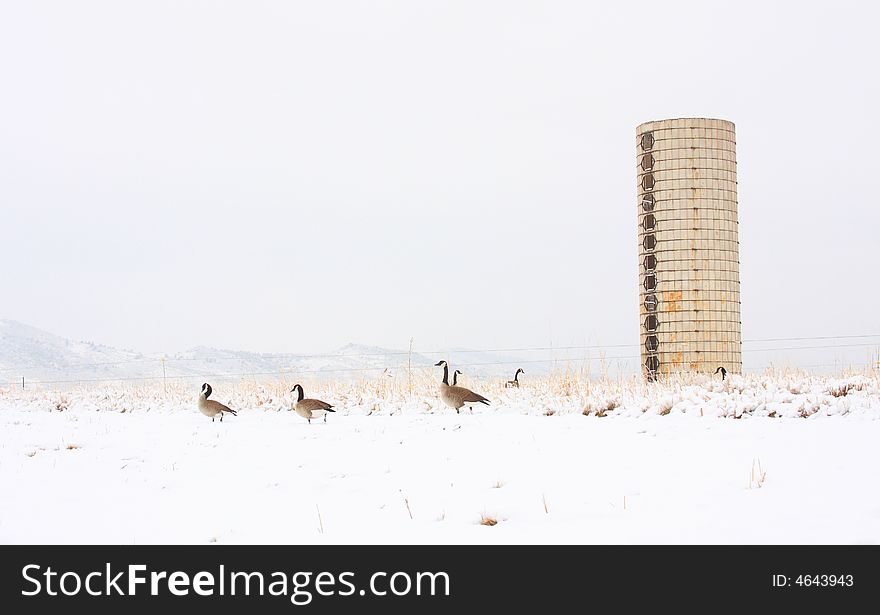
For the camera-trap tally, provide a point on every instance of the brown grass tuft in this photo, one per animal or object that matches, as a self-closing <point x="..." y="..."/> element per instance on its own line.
<point x="846" y="389"/>
<point x="488" y="520"/>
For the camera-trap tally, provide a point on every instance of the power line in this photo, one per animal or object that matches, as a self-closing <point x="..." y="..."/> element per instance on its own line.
<point x="294" y="357"/>
<point x="293" y="372"/>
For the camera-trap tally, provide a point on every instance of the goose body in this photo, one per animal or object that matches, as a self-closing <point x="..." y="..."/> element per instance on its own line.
<point x="310" y="408"/>
<point x="515" y="381"/>
<point x="212" y="408"/>
<point x="456" y="396"/>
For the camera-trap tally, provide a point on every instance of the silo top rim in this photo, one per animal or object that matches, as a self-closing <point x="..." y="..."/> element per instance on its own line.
<point x="707" y="122"/>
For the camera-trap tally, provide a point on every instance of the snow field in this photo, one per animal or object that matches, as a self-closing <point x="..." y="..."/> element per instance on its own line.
<point x="663" y="463"/>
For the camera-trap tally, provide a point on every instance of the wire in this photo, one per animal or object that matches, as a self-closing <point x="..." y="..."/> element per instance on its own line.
<point x="294" y="357"/>
<point x="291" y="372"/>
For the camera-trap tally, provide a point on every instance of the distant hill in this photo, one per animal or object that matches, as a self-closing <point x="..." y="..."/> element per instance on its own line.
<point x="28" y="351"/>
<point x="40" y="356"/>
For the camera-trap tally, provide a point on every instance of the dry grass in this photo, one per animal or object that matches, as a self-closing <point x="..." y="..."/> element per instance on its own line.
<point x="406" y="501"/>
<point x="396" y="391"/>
<point x="602" y="408"/>
<point x="73" y="447"/>
<point x="758" y="475"/>
<point x="808" y="410"/>
<point x="488" y="520"/>
<point x="845" y="389"/>
<point x="320" y="520"/>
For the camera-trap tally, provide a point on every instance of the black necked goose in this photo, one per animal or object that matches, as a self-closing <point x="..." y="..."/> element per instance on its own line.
<point x="515" y="381"/>
<point x="212" y="408"/>
<point x="310" y="408"/>
<point x="456" y="396"/>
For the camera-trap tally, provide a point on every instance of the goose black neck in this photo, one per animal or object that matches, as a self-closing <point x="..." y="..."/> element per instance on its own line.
<point x="299" y="393"/>
<point x="516" y="376"/>
<point x="445" y="374"/>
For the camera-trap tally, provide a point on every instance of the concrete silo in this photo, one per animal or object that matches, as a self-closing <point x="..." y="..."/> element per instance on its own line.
<point x="688" y="246"/>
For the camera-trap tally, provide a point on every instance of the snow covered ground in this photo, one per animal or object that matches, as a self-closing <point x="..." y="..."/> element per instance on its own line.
<point x="776" y="458"/>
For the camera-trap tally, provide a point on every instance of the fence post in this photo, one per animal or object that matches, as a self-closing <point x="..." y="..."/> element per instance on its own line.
<point x="22" y="382"/>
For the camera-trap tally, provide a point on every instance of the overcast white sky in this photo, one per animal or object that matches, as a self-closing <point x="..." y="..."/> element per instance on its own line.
<point x="291" y="176"/>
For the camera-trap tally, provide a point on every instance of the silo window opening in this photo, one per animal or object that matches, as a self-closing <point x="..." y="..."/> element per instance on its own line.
<point x="650" y="282"/>
<point x="650" y="222"/>
<point x="649" y="242"/>
<point x="648" y="202"/>
<point x="647" y="141"/>
<point x="651" y="343"/>
<point x="648" y="181"/>
<point x="653" y="363"/>
<point x="651" y="303"/>
<point x="650" y="262"/>
<point x="651" y="322"/>
<point x="647" y="162"/>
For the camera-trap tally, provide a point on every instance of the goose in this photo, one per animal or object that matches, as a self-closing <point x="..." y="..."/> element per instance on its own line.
<point x="722" y="371"/>
<point x="515" y="381"/>
<point x="212" y="408"/>
<point x="455" y="377"/>
<point x="456" y="396"/>
<point x="310" y="408"/>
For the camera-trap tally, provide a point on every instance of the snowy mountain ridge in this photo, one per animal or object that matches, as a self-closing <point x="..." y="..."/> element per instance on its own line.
<point x="37" y="355"/>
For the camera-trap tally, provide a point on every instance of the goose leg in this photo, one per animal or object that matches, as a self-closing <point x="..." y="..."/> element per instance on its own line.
<point x="310" y="421"/>
<point x="221" y="417"/>
<point x="325" y="418"/>
<point x="212" y="419"/>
